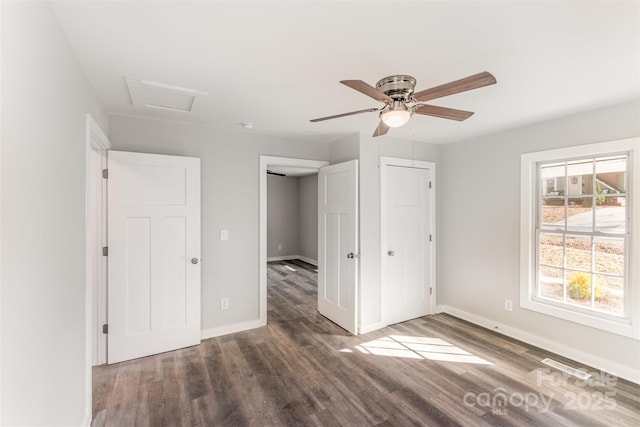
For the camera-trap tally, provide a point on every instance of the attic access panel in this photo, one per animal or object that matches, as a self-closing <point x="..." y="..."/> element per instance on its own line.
<point x="145" y="93"/>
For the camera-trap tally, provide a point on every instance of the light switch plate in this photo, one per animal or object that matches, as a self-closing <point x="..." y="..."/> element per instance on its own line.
<point x="224" y="234"/>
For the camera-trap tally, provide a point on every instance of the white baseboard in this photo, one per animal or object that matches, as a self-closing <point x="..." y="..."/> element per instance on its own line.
<point x="365" y="329"/>
<point x="620" y="371"/>
<point x="282" y="258"/>
<point x="293" y="257"/>
<point x="308" y="260"/>
<point x="231" y="329"/>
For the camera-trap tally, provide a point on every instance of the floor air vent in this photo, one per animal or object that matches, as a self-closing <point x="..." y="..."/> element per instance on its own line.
<point x="566" y="368"/>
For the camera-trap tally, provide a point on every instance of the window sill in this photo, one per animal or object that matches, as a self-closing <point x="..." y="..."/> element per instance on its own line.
<point x="622" y="327"/>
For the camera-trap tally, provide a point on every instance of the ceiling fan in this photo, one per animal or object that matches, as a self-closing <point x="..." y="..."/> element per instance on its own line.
<point x="401" y="102"/>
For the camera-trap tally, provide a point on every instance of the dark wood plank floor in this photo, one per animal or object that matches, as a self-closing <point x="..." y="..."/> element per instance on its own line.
<point x="302" y="369"/>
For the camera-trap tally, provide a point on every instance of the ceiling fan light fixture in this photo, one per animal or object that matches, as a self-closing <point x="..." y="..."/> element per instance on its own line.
<point x="396" y="116"/>
<point x="400" y="100"/>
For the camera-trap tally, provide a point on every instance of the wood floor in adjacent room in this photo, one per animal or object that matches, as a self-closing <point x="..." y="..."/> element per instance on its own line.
<point x="301" y="369"/>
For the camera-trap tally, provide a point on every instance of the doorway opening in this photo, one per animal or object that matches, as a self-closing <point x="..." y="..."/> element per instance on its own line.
<point x="284" y="216"/>
<point x="292" y="243"/>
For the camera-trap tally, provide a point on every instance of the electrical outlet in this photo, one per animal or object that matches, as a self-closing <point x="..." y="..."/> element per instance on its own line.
<point x="508" y="305"/>
<point x="279" y="247"/>
<point x="224" y="303"/>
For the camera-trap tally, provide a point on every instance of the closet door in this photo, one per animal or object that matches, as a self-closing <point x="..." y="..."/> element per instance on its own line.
<point x="406" y="243"/>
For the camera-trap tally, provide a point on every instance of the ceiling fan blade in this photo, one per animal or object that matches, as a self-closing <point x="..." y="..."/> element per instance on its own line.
<point x="367" y="89"/>
<point x="443" y="112"/>
<point x="368" y="110"/>
<point x="468" y="83"/>
<point x="270" y="172"/>
<point x="382" y="129"/>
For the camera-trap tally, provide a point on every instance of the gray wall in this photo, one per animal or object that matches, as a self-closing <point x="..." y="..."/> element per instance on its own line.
<point x="479" y="240"/>
<point x="283" y="216"/>
<point x="308" y="211"/>
<point x="230" y="200"/>
<point x="344" y="149"/>
<point x="292" y="216"/>
<point x="45" y="96"/>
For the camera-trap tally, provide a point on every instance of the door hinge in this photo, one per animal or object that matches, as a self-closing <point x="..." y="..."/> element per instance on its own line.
<point x="430" y="237"/>
<point x="105" y="174"/>
<point x="430" y="291"/>
<point x="105" y="329"/>
<point x="429" y="184"/>
<point x="105" y="251"/>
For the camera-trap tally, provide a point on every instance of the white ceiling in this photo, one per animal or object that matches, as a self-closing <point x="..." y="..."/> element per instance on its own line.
<point x="278" y="64"/>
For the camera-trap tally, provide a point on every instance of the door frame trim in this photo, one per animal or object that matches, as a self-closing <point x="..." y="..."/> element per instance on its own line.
<point x="95" y="141"/>
<point x="417" y="164"/>
<point x="266" y="161"/>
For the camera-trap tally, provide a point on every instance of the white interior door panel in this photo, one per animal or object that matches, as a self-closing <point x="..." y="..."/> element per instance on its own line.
<point x="338" y="244"/>
<point x="154" y="254"/>
<point x="406" y="243"/>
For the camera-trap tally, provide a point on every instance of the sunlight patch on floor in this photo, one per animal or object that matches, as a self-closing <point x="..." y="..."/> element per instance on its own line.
<point x="418" y="348"/>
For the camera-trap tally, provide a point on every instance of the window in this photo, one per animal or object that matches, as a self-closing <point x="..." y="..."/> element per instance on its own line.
<point x="578" y="235"/>
<point x="581" y="235"/>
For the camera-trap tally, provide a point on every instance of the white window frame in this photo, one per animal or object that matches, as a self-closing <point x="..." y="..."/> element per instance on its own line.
<point x="629" y="327"/>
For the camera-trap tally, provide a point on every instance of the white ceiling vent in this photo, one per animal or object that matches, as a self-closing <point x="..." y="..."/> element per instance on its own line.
<point x="145" y="93"/>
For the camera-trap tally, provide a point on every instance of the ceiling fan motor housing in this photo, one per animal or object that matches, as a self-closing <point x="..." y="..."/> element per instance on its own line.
<point x="399" y="87"/>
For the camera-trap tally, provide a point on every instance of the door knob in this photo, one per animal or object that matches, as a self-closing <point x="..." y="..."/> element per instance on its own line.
<point x="194" y="260"/>
<point x="350" y="255"/>
<point x="391" y="253"/>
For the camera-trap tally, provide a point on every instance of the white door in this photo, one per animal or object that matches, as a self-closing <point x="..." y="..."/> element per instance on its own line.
<point x="406" y="230"/>
<point x="338" y="243"/>
<point x="154" y="254"/>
